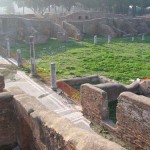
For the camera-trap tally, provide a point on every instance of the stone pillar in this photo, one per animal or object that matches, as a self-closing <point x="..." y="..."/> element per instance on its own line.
<point x="8" y="47"/>
<point x="95" y="39"/>
<point x="53" y="76"/>
<point x="32" y="56"/>
<point x="132" y="39"/>
<point x="109" y="39"/>
<point x="2" y="83"/>
<point x="19" y="59"/>
<point x="143" y="37"/>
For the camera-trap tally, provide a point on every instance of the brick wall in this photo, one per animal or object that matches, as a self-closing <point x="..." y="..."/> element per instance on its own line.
<point x="94" y="103"/>
<point x="133" y="113"/>
<point x="133" y="116"/>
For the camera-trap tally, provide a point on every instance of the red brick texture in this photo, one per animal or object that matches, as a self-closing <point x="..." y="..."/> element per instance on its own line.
<point x="94" y="103"/>
<point x="133" y="116"/>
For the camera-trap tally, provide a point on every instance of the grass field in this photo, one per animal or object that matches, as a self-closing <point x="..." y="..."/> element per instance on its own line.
<point x="120" y="60"/>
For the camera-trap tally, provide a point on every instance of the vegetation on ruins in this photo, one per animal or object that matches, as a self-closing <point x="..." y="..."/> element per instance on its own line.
<point x="121" y="60"/>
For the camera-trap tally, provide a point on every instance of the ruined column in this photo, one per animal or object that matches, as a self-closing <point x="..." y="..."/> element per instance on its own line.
<point x="95" y="39"/>
<point x="8" y="47"/>
<point x="19" y="59"/>
<point x="2" y="83"/>
<point x="109" y="39"/>
<point x="32" y="56"/>
<point x="143" y="37"/>
<point x="53" y="76"/>
<point x="132" y="39"/>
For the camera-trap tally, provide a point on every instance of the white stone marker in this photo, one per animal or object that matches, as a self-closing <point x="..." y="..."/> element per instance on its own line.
<point x="19" y="59"/>
<point x="109" y="39"/>
<point x="32" y="56"/>
<point x="143" y="37"/>
<point x="8" y="47"/>
<point x="95" y="39"/>
<point x="53" y="76"/>
<point x="132" y="39"/>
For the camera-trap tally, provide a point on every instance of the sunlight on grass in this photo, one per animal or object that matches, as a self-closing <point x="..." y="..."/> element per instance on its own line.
<point x="120" y="60"/>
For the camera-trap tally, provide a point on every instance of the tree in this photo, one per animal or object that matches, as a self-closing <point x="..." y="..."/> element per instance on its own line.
<point x="115" y="6"/>
<point x="38" y="6"/>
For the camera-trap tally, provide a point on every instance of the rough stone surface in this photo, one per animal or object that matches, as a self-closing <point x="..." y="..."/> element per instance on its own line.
<point x="72" y="31"/>
<point x="112" y="89"/>
<point x="62" y="37"/>
<point x="145" y="87"/>
<point x="112" y="26"/>
<point x="40" y="129"/>
<point x="2" y="83"/>
<point x="104" y="30"/>
<point x="133" y="120"/>
<point x="7" y="119"/>
<point x="19" y="28"/>
<point x="7" y="70"/>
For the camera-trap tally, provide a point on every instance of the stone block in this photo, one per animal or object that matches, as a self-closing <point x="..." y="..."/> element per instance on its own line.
<point x="2" y="83"/>
<point x="145" y="87"/>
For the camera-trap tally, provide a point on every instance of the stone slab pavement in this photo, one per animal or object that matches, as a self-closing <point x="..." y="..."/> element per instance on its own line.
<point x="52" y="100"/>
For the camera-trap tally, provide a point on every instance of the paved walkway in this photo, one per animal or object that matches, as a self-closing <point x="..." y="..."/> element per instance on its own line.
<point x="52" y="100"/>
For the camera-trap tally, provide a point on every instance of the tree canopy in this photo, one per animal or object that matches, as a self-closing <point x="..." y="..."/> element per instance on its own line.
<point x="115" y="6"/>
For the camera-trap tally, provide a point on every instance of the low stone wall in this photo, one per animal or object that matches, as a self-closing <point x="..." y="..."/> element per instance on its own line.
<point x="95" y="79"/>
<point x="37" y="128"/>
<point x="113" y="90"/>
<point x="133" y="120"/>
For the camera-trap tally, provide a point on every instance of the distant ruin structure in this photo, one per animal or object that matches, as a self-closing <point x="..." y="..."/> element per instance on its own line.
<point x="74" y="25"/>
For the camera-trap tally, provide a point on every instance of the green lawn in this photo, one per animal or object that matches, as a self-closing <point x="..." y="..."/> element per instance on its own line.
<point x="120" y="60"/>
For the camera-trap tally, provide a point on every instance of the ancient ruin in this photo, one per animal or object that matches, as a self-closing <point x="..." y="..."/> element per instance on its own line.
<point x="132" y="114"/>
<point x="74" y="25"/>
<point x="28" y="123"/>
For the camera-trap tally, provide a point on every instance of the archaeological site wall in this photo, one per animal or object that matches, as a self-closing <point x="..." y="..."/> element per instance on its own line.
<point x="133" y="120"/>
<point x="113" y="26"/>
<point x="72" y="31"/>
<point x="74" y="25"/>
<point x="133" y="111"/>
<point x="25" y="121"/>
<point x="88" y="15"/>
<point x="19" y="28"/>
